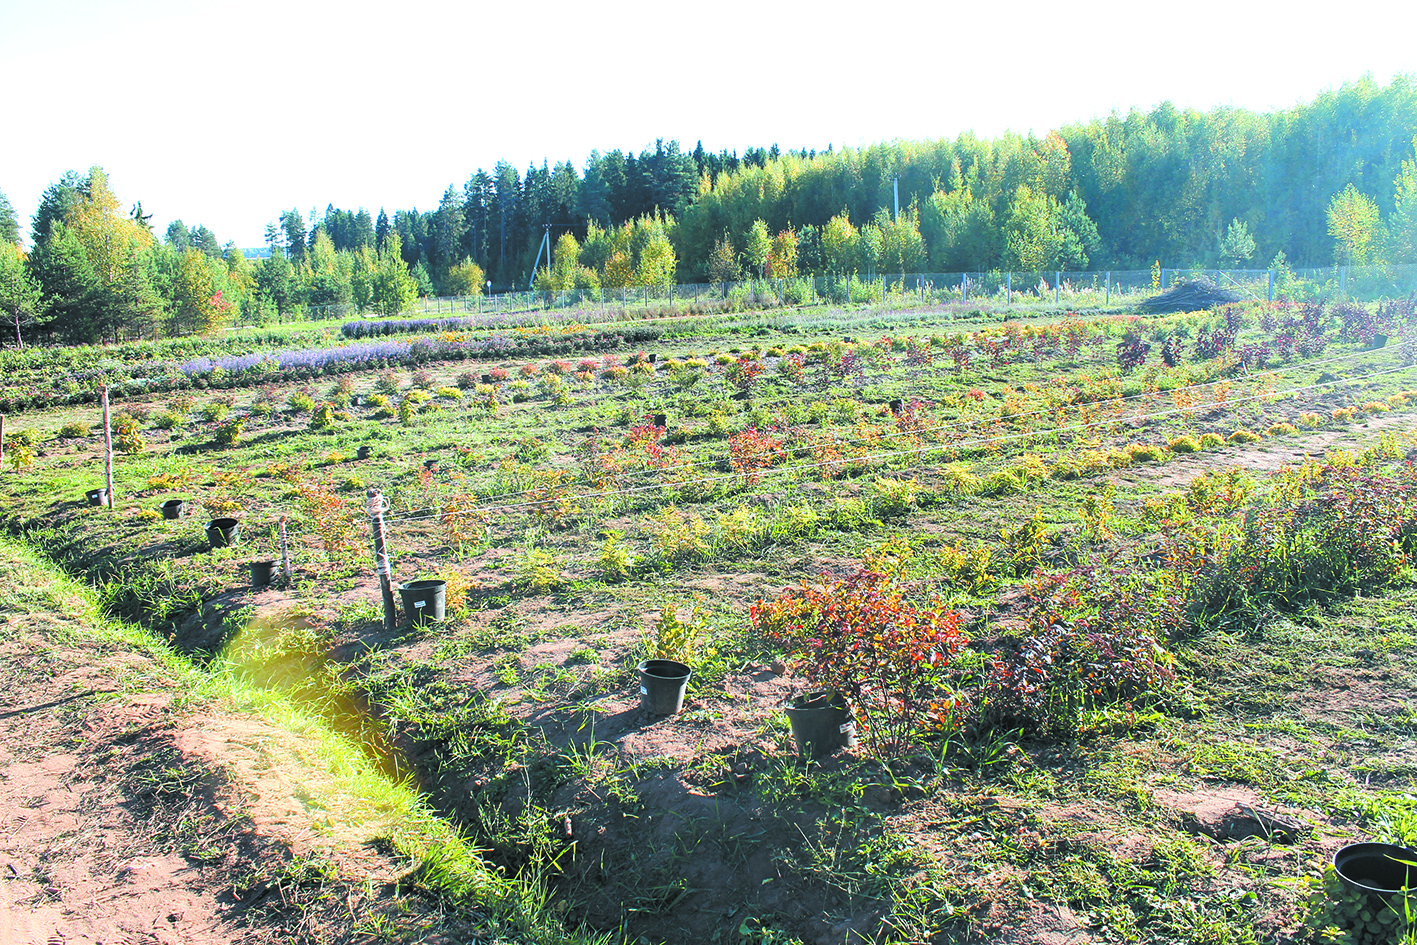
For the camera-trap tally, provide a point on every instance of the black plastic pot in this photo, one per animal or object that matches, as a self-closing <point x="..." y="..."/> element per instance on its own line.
<point x="172" y="508"/>
<point x="362" y="453"/>
<point x="424" y="601"/>
<point x="1381" y="871"/>
<point x="97" y="496"/>
<point x="821" y="723"/>
<point x="262" y="572"/>
<point x="223" y="531"/>
<point x="660" y="420"/>
<point x="662" y="686"/>
<point x="1379" y="341"/>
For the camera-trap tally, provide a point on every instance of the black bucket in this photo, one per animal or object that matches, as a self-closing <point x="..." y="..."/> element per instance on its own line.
<point x="660" y="420"/>
<point x="1382" y="871"/>
<point x="821" y="723"/>
<point x="223" y="531"/>
<point x="262" y="572"/>
<point x="662" y="686"/>
<point x="172" y="508"/>
<point x="424" y="601"/>
<point x="97" y="496"/>
<point x="362" y="453"/>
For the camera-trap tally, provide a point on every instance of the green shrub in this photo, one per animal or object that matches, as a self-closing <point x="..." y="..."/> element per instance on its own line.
<point x="229" y="433"/>
<point x="1185" y="443"/>
<point x="166" y="420"/>
<point x="74" y="429"/>
<point x="538" y="570"/>
<point x="1243" y="436"/>
<point x="1281" y="429"/>
<point x="28" y="438"/>
<point x="892" y="498"/>
<point x="615" y="560"/>
<point x="301" y="401"/>
<point x="1211" y="441"/>
<point x="214" y="411"/>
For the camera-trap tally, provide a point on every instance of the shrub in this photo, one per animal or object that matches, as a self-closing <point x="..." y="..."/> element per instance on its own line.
<point x="166" y="420"/>
<point x="753" y="451"/>
<point x="615" y="560"/>
<point x="424" y="380"/>
<point x="28" y="438"/>
<point x="538" y="570"/>
<point x="1211" y="441"/>
<point x="795" y="521"/>
<point x="1146" y="453"/>
<point x="1281" y="429"/>
<point x="1243" y="436"/>
<point x="448" y="393"/>
<point x="678" y="535"/>
<point x="739" y="529"/>
<point x="229" y="433"/>
<point x="466" y="379"/>
<point x="323" y="417"/>
<point x="1185" y="443"/>
<point x="862" y="638"/>
<point x="300" y="401"/>
<point x="1132" y="352"/>
<point x="21" y="456"/>
<point x="74" y="429"/>
<point x="672" y="638"/>
<point x="128" y="437"/>
<point x="1348" y="531"/>
<point x="892" y="498"/>
<point x="388" y="383"/>
<point x="215" y="411"/>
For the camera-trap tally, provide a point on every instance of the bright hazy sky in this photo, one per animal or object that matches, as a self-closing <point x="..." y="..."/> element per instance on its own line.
<point x="225" y="114"/>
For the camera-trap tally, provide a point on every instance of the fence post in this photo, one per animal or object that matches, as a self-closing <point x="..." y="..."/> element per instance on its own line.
<point x="963" y="287"/>
<point x="2" y="441"/>
<point x="1109" y="288"/>
<point x="1009" y="288"/>
<point x="1343" y="279"/>
<point x="1057" y="286"/>
<point x="1269" y="294"/>
<point x="381" y="559"/>
<point x="107" y="445"/>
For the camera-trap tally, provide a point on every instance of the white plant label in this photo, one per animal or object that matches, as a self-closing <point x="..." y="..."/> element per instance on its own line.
<point x="846" y="727"/>
<point x="644" y="691"/>
<point x="419" y="604"/>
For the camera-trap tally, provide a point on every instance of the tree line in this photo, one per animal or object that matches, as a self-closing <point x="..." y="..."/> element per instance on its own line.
<point x="1330" y="181"/>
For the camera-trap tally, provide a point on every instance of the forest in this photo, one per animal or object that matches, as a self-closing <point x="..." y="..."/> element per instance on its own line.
<point x="1332" y="181"/>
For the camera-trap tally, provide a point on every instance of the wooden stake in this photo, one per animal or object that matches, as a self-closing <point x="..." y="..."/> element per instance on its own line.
<point x="2" y="442"/>
<point x="381" y="559"/>
<point x="284" y="553"/>
<point x="107" y="444"/>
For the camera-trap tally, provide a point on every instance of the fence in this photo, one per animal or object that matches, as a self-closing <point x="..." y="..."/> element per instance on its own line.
<point x="993" y="290"/>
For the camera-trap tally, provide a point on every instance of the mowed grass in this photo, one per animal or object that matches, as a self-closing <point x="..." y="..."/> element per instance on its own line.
<point x="566" y="518"/>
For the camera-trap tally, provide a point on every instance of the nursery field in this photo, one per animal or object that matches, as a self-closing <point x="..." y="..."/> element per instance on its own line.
<point x="1122" y="607"/>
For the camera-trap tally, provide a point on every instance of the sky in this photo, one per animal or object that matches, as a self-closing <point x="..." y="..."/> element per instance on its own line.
<point x="226" y="114"/>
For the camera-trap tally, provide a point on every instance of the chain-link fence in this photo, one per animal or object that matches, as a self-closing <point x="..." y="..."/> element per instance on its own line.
<point x="992" y="290"/>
